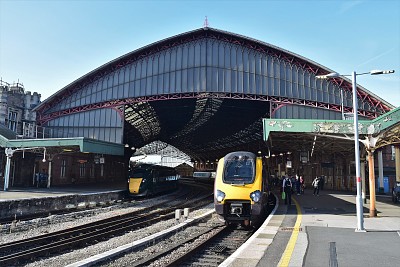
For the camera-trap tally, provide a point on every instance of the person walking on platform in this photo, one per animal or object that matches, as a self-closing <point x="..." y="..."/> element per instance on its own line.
<point x="316" y="184"/>
<point x="287" y="188"/>
<point x="298" y="185"/>
<point x="302" y="185"/>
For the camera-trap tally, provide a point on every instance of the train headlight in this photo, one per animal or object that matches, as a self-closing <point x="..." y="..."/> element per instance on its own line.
<point x="256" y="196"/>
<point x="220" y="196"/>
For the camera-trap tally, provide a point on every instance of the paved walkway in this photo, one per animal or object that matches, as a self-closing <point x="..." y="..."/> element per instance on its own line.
<point x="326" y="235"/>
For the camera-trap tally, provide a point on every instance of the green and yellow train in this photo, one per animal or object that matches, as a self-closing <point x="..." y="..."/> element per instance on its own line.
<point x="149" y="179"/>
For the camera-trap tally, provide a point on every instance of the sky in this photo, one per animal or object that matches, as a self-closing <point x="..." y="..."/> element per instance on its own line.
<point x="47" y="45"/>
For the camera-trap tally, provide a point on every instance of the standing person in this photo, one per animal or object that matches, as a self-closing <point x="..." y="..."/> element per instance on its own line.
<point x="298" y="185"/>
<point x="301" y="185"/>
<point x="316" y="184"/>
<point x="322" y="182"/>
<point x="287" y="188"/>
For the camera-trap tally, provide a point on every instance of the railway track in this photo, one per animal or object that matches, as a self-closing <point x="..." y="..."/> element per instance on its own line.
<point x="42" y="246"/>
<point x="209" y="247"/>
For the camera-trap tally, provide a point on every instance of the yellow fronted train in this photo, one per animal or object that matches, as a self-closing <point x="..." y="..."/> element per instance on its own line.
<point x="241" y="188"/>
<point x="150" y="179"/>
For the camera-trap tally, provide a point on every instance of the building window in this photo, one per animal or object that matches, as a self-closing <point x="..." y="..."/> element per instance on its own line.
<point x="63" y="168"/>
<point x="393" y="153"/>
<point x="12" y="120"/>
<point x="82" y="168"/>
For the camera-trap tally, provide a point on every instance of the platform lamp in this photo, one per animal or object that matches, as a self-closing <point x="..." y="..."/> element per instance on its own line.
<point x="359" y="204"/>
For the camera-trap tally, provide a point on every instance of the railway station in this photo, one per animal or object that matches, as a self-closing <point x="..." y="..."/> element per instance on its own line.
<point x="196" y="97"/>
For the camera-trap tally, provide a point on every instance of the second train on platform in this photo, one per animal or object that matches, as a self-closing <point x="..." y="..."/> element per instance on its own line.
<point x="241" y="188"/>
<point x="150" y="179"/>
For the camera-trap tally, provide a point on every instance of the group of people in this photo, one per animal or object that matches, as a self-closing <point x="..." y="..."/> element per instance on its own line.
<point x="290" y="185"/>
<point x="296" y="184"/>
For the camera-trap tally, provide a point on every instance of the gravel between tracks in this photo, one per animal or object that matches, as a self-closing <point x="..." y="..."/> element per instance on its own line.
<point x="60" y="222"/>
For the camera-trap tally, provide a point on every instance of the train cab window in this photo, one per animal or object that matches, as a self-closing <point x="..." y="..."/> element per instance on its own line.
<point x="239" y="170"/>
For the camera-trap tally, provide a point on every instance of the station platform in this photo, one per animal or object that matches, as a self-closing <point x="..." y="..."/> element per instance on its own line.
<point x="22" y="202"/>
<point x="320" y="231"/>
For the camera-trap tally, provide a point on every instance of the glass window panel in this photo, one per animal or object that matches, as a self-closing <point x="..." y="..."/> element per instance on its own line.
<point x="282" y="87"/>
<point x="198" y="55"/>
<point x="264" y="85"/>
<point x="179" y="58"/>
<point x="127" y="71"/>
<point x="270" y="67"/>
<point x="125" y="90"/>
<point x="215" y="54"/>
<point x="220" y="80"/>
<point x="258" y="84"/>
<point x="252" y="62"/>
<point x="132" y="75"/>
<point x="110" y="93"/>
<point x="148" y="85"/>
<point x="184" y="81"/>
<point x="282" y="72"/>
<point x="203" y="58"/>
<point x="131" y="89"/>
<point x="197" y="80"/>
<point x="240" y="82"/>
<point x="138" y="70"/>
<point x="155" y="64"/>
<point x="227" y="80"/>
<point x="110" y="81"/>
<point x="142" y="87"/>
<point x="240" y="59"/>
<point x="121" y="75"/>
<point x="173" y="80"/>
<point x="161" y="63"/>
<point x="221" y="55"/>
<point x="246" y="82"/>
<point x="203" y="79"/>
<point x="190" y="82"/>
<point x="246" y="61"/>
<point x="227" y="53"/>
<point x="252" y="83"/>
<point x="234" y="58"/>
<point x="214" y="80"/>
<point x="160" y="83"/>
<point x="137" y="88"/>
<point x="185" y="52"/>
<point x="149" y="71"/>
<point x="120" y="92"/>
<point x="144" y="68"/>
<point x="154" y="87"/>
<point x="209" y="79"/>
<point x="166" y="82"/>
<point x="277" y="87"/>
<point x="209" y="53"/>
<point x="234" y="81"/>
<point x="173" y="60"/>
<point x="191" y="56"/>
<point x="310" y="94"/>
<point x="258" y="62"/>
<point x="270" y="85"/>
<point x="264" y="64"/>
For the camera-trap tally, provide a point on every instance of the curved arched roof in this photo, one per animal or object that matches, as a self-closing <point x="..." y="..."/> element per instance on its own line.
<point x="207" y="123"/>
<point x="381" y="105"/>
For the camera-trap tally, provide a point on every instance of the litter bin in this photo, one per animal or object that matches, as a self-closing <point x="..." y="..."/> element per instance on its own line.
<point x="386" y="188"/>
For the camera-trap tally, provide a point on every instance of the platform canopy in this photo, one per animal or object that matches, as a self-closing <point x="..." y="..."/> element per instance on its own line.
<point x="60" y="145"/>
<point x="328" y="136"/>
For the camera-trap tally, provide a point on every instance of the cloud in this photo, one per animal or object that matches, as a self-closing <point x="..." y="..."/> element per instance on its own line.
<point x="376" y="57"/>
<point x="347" y="5"/>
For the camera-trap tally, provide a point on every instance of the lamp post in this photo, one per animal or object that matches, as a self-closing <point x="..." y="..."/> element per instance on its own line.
<point x="359" y="204"/>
